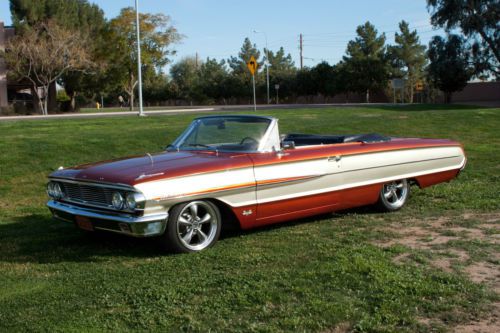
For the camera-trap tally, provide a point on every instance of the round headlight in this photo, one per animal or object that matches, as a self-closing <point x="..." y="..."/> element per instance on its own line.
<point x="58" y="193"/>
<point x="54" y="190"/>
<point x="117" y="200"/>
<point x="50" y="189"/>
<point x="131" y="202"/>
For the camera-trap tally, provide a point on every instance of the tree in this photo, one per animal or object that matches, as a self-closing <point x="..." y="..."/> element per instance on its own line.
<point x="43" y="53"/>
<point x="157" y="89"/>
<point x="184" y="75"/>
<point x="157" y="36"/>
<point x="366" y="59"/>
<point x="238" y="64"/>
<point x="323" y="76"/>
<point x="76" y="15"/>
<point x="280" y="62"/>
<point x="408" y="56"/>
<point x="449" y="68"/>
<point x="212" y="79"/>
<point x="479" y="20"/>
<point x="282" y="70"/>
<point x="239" y="83"/>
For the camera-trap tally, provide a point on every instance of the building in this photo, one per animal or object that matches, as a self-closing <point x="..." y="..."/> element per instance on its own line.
<point x="5" y="34"/>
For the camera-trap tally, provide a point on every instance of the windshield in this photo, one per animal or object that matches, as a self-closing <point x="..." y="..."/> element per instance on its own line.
<point x="224" y="133"/>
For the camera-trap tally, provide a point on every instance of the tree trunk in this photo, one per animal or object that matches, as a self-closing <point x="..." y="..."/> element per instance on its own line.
<point x="411" y="91"/>
<point x="367" y="95"/>
<point x="72" y="103"/>
<point x="36" y="100"/>
<point x="51" y="98"/>
<point x="45" y="100"/>
<point x="42" y="99"/>
<point x="447" y="97"/>
<point x="131" y="100"/>
<point x="130" y="91"/>
<point x="491" y="43"/>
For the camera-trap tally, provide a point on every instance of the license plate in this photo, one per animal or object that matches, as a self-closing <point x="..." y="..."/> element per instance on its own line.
<point x="84" y="223"/>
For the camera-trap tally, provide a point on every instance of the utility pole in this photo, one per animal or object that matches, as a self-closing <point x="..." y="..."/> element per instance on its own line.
<point x="252" y="67"/>
<point x="301" y="55"/>
<point x="254" y="96"/>
<point x="139" y="65"/>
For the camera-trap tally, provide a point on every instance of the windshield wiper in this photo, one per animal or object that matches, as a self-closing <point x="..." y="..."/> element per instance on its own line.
<point x="204" y="146"/>
<point x="200" y="145"/>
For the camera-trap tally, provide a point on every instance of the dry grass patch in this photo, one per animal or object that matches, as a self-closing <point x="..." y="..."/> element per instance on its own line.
<point x="445" y="240"/>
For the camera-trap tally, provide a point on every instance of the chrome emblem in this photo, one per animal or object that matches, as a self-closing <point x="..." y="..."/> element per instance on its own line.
<point x="247" y="212"/>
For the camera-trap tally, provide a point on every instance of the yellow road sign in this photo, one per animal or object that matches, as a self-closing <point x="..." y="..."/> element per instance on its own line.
<point x="252" y="65"/>
<point x="419" y="86"/>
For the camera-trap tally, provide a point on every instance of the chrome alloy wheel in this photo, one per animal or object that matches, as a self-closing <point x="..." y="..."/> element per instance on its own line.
<point x="197" y="225"/>
<point x="394" y="194"/>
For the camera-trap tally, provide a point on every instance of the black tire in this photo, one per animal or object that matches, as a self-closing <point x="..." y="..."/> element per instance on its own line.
<point x="393" y="196"/>
<point x="192" y="227"/>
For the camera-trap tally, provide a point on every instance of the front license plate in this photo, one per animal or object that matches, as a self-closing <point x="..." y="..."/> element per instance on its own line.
<point x="84" y="223"/>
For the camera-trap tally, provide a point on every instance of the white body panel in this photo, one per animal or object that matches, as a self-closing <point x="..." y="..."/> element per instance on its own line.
<point x="248" y="186"/>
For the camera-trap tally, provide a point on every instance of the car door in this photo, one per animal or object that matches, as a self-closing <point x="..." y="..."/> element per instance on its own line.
<point x="296" y="183"/>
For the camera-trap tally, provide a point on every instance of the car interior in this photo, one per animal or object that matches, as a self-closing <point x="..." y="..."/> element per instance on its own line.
<point x="300" y="140"/>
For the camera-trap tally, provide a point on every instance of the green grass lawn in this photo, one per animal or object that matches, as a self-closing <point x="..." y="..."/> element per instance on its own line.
<point x="413" y="270"/>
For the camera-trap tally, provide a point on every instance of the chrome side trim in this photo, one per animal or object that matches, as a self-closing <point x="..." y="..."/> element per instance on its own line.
<point x="117" y="186"/>
<point x="125" y="218"/>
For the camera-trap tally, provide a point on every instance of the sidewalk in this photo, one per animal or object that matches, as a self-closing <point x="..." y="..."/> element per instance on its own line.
<point x="201" y="109"/>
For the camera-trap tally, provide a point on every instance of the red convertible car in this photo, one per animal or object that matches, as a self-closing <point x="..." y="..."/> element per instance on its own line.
<point x="239" y="167"/>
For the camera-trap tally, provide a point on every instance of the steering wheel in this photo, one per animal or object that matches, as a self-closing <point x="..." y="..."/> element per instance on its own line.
<point x="249" y="138"/>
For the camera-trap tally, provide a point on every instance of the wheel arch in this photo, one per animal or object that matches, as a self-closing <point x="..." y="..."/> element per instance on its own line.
<point x="229" y="218"/>
<point x="414" y="181"/>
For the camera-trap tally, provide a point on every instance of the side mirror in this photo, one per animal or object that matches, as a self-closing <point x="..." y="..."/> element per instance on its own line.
<point x="171" y="147"/>
<point x="288" y="145"/>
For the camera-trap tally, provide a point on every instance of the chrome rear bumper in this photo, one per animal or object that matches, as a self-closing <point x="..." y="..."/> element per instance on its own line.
<point x="138" y="226"/>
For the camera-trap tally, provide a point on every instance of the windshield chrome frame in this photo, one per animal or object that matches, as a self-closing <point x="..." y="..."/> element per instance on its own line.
<point x="262" y="142"/>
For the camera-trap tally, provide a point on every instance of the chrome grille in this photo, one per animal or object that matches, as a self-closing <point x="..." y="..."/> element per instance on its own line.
<point x="87" y="194"/>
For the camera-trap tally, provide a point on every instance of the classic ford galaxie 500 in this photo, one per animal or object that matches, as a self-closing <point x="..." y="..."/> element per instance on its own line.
<point x="240" y="168"/>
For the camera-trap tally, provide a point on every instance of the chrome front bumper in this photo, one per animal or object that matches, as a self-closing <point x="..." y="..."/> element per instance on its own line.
<point x="138" y="226"/>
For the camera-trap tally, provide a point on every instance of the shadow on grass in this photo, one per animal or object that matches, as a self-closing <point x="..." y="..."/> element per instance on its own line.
<point x="37" y="238"/>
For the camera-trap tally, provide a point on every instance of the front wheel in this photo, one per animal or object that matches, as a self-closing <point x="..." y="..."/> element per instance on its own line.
<point x="193" y="226"/>
<point x="393" y="195"/>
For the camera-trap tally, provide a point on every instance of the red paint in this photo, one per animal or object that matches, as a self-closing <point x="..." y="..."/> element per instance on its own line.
<point x="436" y="178"/>
<point x="283" y="210"/>
<point x="176" y="164"/>
<point x="247" y="220"/>
<point x="158" y="166"/>
<point x="344" y="149"/>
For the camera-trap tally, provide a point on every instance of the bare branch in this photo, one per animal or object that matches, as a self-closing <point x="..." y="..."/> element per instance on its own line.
<point x="45" y="52"/>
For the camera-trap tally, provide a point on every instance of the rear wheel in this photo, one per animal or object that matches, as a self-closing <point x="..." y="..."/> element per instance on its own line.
<point x="393" y="195"/>
<point x="193" y="226"/>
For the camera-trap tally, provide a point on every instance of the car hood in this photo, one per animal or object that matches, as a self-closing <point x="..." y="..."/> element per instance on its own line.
<point x="138" y="169"/>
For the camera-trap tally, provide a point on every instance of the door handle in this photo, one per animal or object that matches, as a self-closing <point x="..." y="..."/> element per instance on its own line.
<point x="335" y="158"/>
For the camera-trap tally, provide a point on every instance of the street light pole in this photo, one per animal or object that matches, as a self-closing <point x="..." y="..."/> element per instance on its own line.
<point x="139" y="65"/>
<point x="266" y="63"/>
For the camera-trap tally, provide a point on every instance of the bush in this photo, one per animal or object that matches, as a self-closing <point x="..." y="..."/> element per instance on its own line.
<point x="7" y="110"/>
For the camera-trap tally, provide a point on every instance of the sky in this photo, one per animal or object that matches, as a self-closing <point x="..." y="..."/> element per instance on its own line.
<point x="217" y="28"/>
